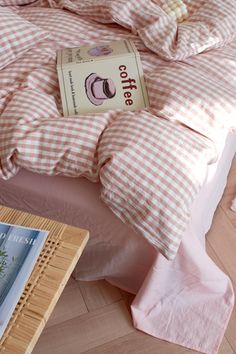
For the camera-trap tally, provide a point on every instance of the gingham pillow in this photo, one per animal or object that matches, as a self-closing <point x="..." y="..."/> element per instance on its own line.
<point x="151" y="171"/>
<point x="198" y="93"/>
<point x="210" y="25"/>
<point x="16" y="36"/>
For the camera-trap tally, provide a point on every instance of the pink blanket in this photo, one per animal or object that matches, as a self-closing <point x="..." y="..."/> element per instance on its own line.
<point x="151" y="163"/>
<point x="189" y="292"/>
<point x="151" y="168"/>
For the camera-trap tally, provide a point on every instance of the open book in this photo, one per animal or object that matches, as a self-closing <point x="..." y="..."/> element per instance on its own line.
<point x="19" y="249"/>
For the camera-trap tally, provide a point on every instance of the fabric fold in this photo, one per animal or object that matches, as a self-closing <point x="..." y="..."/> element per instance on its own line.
<point x="212" y="25"/>
<point x="183" y="295"/>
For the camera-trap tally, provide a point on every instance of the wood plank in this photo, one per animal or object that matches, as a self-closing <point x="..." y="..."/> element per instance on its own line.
<point x="128" y="298"/>
<point x="225" y="348"/>
<point x="97" y="294"/>
<point x="230" y="193"/>
<point x="221" y="259"/>
<point x="137" y="343"/>
<point x="86" y="331"/>
<point x="71" y="304"/>
<point x="230" y="333"/>
<point x="211" y="253"/>
<point x="222" y="238"/>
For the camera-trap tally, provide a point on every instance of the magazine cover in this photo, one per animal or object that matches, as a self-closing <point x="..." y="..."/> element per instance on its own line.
<point x="19" y="249"/>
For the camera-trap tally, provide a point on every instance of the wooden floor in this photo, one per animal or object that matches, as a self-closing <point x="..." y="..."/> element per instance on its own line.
<point x="94" y="317"/>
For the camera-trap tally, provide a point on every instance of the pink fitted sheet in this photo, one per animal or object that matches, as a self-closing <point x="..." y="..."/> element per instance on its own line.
<point x="189" y="293"/>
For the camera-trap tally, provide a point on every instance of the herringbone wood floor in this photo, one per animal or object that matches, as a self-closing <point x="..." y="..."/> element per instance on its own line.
<point x="94" y="317"/>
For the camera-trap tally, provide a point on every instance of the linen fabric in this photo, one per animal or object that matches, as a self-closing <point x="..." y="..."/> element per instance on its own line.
<point x="211" y="24"/>
<point x="152" y="164"/>
<point x="186" y="301"/>
<point x="16" y="36"/>
<point x="151" y="168"/>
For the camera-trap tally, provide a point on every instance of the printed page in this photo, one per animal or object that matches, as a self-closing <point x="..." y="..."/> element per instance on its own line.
<point x="19" y="250"/>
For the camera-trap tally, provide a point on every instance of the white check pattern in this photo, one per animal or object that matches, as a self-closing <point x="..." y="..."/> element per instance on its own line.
<point x="16" y="36"/>
<point x="151" y="163"/>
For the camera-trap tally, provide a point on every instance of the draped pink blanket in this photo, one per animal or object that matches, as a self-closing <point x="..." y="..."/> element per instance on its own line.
<point x="151" y="163"/>
<point x="189" y="293"/>
<point x="151" y="168"/>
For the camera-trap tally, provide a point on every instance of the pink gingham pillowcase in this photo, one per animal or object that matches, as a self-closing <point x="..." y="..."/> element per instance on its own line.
<point x="16" y="36"/>
<point x="151" y="171"/>
<point x="196" y="94"/>
<point x="211" y="24"/>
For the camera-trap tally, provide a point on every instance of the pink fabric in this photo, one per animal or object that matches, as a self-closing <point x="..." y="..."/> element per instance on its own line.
<point x="190" y="294"/>
<point x="186" y="293"/>
<point x="149" y="177"/>
<point x="16" y="36"/>
<point x="211" y="24"/>
<point x="151" y="169"/>
<point x="203" y="299"/>
<point x="209" y="104"/>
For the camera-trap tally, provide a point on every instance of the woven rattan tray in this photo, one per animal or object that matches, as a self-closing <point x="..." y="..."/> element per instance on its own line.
<point x="55" y="264"/>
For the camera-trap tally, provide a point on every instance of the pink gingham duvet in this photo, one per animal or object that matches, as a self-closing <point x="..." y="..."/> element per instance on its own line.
<point x="151" y="163"/>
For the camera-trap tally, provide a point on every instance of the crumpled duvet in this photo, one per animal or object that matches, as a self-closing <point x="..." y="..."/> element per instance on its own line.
<point x="151" y="163"/>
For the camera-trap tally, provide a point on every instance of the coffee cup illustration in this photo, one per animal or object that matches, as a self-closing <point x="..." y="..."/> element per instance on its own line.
<point x="100" y="50"/>
<point x="98" y="89"/>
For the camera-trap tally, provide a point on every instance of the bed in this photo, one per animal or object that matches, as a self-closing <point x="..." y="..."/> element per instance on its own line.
<point x="146" y="183"/>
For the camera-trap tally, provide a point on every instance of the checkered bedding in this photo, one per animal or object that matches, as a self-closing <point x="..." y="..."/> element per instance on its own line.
<point x="151" y="163"/>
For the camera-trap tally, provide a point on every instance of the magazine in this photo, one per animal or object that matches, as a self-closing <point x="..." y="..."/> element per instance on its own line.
<point x="19" y="249"/>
